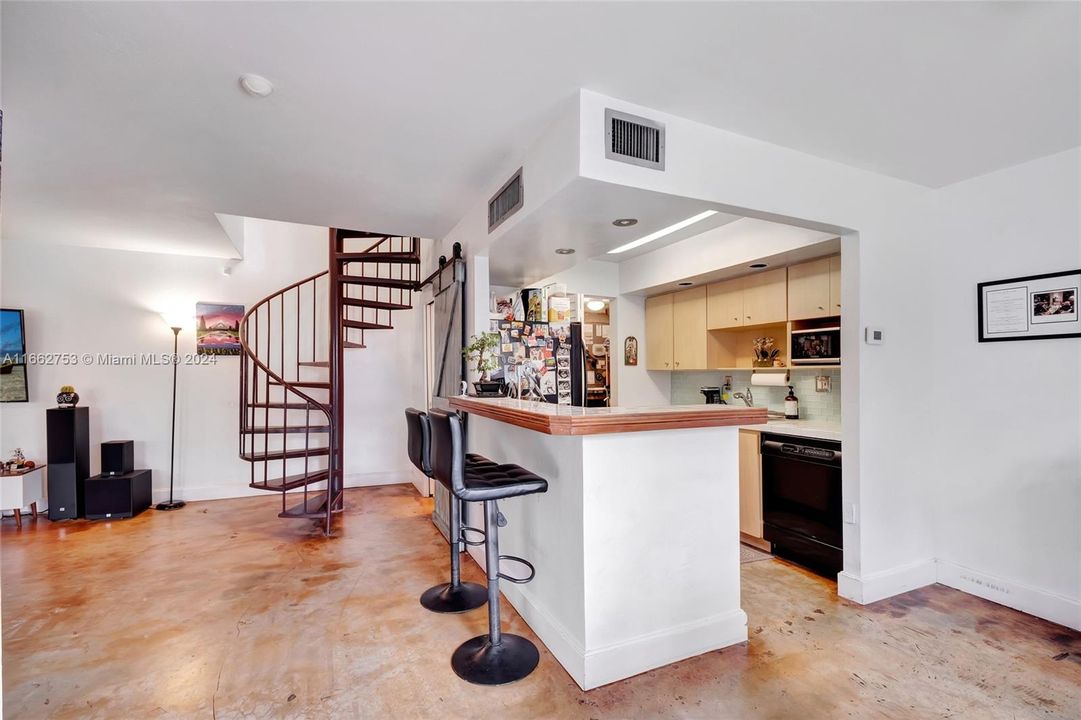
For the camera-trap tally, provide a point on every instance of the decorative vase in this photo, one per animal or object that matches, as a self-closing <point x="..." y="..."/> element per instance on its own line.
<point x="67" y="399"/>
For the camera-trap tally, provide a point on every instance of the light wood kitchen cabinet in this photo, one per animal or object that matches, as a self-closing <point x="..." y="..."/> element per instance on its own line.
<point x="750" y="484"/>
<point x="659" y="335"/>
<point x="689" y="329"/>
<point x="765" y="297"/>
<point x="809" y="290"/>
<point x="724" y="304"/>
<point x="835" y="284"/>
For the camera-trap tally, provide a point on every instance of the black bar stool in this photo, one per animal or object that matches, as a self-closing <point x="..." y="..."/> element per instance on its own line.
<point x="455" y="596"/>
<point x="496" y="658"/>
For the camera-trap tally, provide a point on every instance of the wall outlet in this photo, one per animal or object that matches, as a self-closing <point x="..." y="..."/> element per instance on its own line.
<point x="822" y="383"/>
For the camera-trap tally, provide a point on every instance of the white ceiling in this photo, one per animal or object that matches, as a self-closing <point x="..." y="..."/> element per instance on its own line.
<point x="125" y="126"/>
<point x="580" y="217"/>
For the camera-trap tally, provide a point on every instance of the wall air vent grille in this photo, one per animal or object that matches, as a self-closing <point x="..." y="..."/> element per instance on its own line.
<point x="506" y="202"/>
<point x="632" y="139"/>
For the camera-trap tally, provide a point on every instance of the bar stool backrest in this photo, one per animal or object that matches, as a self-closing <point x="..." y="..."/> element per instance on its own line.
<point x="420" y="440"/>
<point x="448" y="455"/>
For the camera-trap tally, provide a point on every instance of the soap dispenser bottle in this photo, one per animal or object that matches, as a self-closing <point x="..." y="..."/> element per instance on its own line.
<point x="791" y="405"/>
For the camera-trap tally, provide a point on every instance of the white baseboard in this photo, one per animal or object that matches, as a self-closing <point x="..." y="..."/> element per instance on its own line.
<point x="568" y="649"/>
<point x="643" y="653"/>
<point x="886" y="583"/>
<point x="1034" y="601"/>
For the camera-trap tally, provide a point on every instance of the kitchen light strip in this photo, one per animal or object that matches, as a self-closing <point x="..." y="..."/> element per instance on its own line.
<point x="663" y="231"/>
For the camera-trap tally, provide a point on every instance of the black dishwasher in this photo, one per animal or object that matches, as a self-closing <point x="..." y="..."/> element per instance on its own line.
<point x="801" y="501"/>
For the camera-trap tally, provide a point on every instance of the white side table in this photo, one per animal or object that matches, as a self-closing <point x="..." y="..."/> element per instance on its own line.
<point x="19" y="489"/>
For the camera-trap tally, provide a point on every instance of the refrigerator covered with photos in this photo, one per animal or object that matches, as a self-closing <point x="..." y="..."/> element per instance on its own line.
<point x="541" y="351"/>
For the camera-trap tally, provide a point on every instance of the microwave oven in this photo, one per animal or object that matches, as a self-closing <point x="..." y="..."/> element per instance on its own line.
<point x="820" y="346"/>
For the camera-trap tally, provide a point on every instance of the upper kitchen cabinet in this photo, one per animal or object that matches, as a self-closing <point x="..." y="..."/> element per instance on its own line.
<point x="689" y="336"/>
<point x="765" y="297"/>
<point x="724" y="304"/>
<point x="809" y="290"/>
<point x="659" y="336"/>
<point x="835" y="284"/>
<point x="759" y="299"/>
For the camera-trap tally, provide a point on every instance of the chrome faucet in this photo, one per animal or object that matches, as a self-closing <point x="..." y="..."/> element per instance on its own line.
<point x="746" y="397"/>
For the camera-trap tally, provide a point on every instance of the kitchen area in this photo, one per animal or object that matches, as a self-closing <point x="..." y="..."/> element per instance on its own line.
<point x="680" y="390"/>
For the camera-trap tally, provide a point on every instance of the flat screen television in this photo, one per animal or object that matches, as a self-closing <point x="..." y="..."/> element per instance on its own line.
<point x="13" y="387"/>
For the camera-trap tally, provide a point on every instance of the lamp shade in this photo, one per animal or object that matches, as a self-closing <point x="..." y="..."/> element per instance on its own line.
<point x="177" y="319"/>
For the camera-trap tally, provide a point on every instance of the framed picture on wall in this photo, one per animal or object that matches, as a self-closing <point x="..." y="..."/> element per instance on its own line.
<point x="630" y="351"/>
<point x="1034" y="307"/>
<point x="13" y="386"/>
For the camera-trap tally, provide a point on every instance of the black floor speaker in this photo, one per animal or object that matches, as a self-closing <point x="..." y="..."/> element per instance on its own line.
<point x="67" y="433"/>
<point x="118" y="496"/>
<point x="117" y="457"/>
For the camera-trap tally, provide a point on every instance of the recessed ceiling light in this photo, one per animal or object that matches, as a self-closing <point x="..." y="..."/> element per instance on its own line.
<point x="663" y="231"/>
<point x="564" y="251"/>
<point x="595" y="305"/>
<point x="757" y="266"/>
<point x="685" y="283"/>
<point x="256" y="85"/>
<point x="625" y="222"/>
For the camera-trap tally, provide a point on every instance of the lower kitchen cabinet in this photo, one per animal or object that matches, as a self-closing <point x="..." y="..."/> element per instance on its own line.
<point x="750" y="487"/>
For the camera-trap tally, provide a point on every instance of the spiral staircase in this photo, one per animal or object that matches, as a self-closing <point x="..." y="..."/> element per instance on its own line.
<point x="293" y="344"/>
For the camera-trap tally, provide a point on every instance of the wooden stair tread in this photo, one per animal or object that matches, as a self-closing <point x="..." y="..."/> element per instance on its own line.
<point x="397" y="258"/>
<point x="314" y="363"/>
<point x="291" y="482"/>
<point x="377" y="281"/>
<point x="285" y="454"/>
<point x="363" y="325"/>
<point x="281" y="405"/>
<point x="279" y="429"/>
<point x="315" y="507"/>
<point x="375" y="304"/>
<point x="303" y="383"/>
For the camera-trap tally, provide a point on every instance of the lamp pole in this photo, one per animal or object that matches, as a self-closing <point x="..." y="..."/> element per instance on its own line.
<point x="173" y="504"/>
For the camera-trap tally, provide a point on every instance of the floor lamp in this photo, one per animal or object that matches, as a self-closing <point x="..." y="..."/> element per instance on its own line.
<point x="173" y="504"/>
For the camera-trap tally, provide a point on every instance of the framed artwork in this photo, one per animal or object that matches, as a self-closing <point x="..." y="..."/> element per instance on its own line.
<point x="1034" y="307"/>
<point x="217" y="328"/>
<point x="13" y="386"/>
<point x="630" y="350"/>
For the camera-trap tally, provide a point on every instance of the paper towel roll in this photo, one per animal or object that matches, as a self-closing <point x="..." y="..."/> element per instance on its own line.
<point x="770" y="379"/>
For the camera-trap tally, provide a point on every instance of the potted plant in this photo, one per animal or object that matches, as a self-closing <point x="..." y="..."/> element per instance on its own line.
<point x="480" y="351"/>
<point x="765" y="353"/>
<point x="67" y="397"/>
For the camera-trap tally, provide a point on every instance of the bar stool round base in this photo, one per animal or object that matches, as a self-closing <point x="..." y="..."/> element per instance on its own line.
<point x="481" y="663"/>
<point x="446" y="598"/>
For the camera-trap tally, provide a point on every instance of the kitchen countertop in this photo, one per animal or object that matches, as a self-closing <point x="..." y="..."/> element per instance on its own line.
<point x="568" y="420"/>
<point x="819" y="429"/>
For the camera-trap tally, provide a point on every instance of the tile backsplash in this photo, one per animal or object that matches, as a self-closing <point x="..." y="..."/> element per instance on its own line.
<point x="825" y="407"/>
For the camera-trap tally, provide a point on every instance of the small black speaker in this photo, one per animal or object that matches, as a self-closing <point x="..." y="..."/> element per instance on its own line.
<point x="118" y="496"/>
<point x="117" y="457"/>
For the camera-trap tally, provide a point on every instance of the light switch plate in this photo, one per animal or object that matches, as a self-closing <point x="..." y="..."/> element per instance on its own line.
<point x="822" y="383"/>
<point x="874" y="335"/>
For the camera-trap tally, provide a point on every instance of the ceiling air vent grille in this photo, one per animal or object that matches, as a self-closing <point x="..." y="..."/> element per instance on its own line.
<point x="632" y="139"/>
<point x="506" y="202"/>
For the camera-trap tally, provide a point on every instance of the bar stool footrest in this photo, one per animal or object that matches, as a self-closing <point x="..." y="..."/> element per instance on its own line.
<point x="467" y="541"/>
<point x="523" y="561"/>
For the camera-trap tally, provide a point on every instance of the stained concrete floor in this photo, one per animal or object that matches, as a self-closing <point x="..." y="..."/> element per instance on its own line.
<point x="222" y="610"/>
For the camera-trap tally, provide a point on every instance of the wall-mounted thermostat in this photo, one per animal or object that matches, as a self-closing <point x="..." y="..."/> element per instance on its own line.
<point x="873" y="335"/>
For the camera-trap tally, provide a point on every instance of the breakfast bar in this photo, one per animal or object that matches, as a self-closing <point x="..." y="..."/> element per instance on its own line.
<point x="636" y="542"/>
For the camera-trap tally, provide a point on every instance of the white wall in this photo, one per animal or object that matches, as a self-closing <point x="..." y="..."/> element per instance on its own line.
<point x="1006" y="471"/>
<point x="85" y="300"/>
